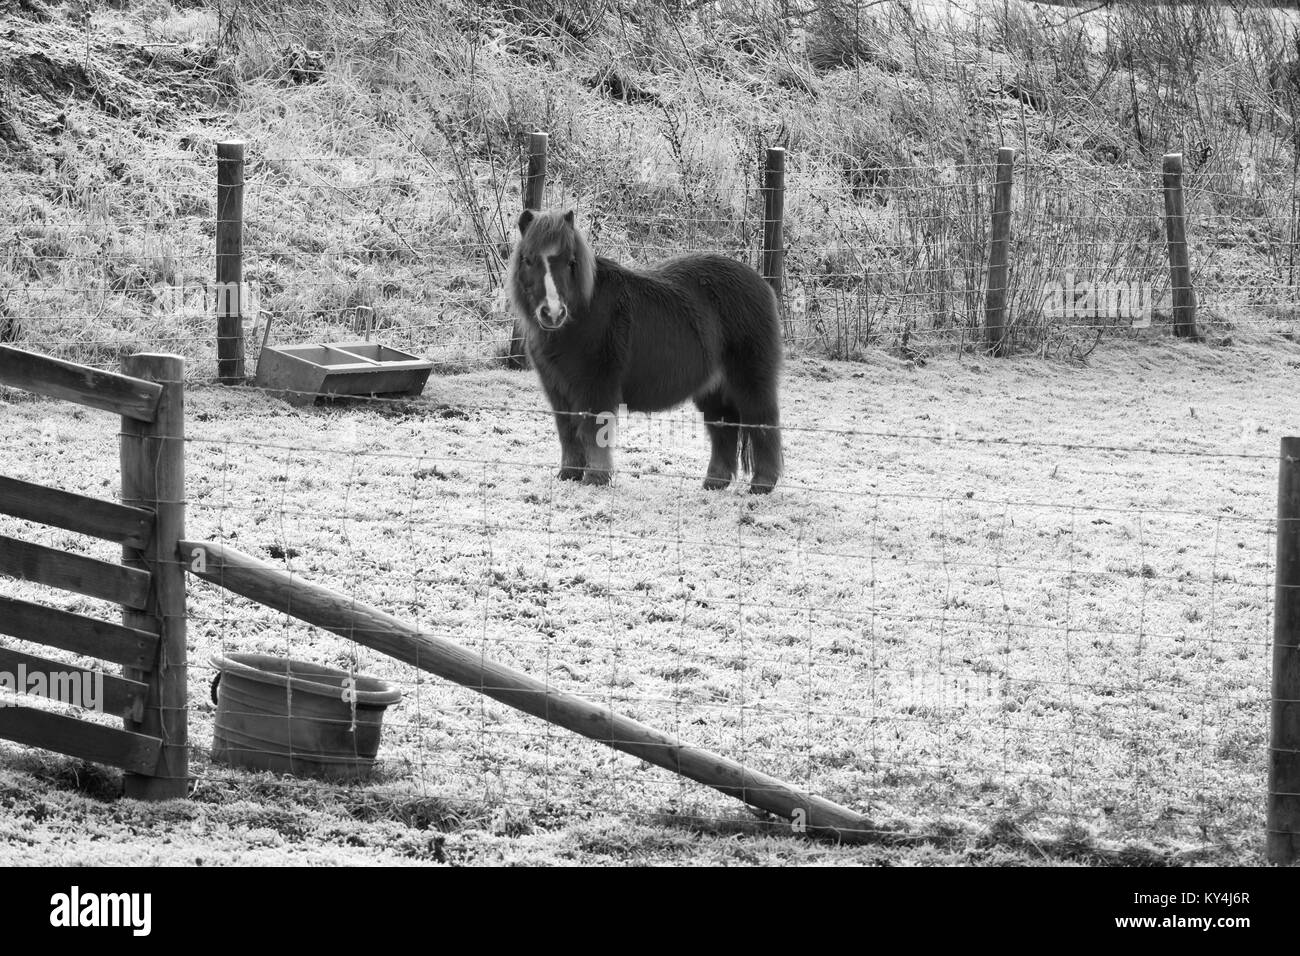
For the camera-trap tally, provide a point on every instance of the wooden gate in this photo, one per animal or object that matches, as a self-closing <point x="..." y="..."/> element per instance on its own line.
<point x="149" y="583"/>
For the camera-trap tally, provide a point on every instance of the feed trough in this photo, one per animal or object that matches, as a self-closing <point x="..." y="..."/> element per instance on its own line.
<point x="303" y="373"/>
<point x="290" y="716"/>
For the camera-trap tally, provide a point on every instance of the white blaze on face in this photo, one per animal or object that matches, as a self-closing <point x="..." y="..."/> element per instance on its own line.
<point x="554" y="304"/>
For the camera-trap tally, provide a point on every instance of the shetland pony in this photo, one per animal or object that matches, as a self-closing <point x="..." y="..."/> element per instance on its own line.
<point x="698" y="327"/>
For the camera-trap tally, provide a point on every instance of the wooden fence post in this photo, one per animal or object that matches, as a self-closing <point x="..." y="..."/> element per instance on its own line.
<point x="535" y="184"/>
<point x="153" y="476"/>
<point x="534" y="198"/>
<point x="995" y="295"/>
<point x="1284" y="736"/>
<point x="1180" y="272"/>
<point x="772" y="256"/>
<point x="230" y="262"/>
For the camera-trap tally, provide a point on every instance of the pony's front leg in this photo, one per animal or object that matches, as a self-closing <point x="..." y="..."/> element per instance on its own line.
<point x="573" y="460"/>
<point x="598" y="432"/>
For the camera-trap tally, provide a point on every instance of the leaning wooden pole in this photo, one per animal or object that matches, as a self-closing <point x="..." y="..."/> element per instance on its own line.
<point x="995" y="296"/>
<point x="230" y="263"/>
<point x="323" y="607"/>
<point x="153" y="477"/>
<point x="1180" y="270"/>
<point x="1283" y="843"/>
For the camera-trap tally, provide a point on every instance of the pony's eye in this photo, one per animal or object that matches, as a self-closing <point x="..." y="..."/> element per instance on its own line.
<point x="573" y="265"/>
<point x="529" y="261"/>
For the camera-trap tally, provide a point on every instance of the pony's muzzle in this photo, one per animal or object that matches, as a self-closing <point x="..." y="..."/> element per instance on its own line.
<point x="551" y="319"/>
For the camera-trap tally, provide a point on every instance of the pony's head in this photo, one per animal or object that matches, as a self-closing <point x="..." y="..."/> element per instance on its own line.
<point x="552" y="270"/>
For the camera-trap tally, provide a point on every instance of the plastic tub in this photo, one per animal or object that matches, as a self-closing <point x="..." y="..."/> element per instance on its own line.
<point x="288" y="716"/>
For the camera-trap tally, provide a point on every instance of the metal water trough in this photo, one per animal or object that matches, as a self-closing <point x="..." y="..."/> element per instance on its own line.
<point x="303" y="373"/>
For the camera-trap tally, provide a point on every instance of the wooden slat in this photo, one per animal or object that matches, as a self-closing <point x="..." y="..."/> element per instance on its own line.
<point x="103" y="692"/>
<point x="74" y="512"/>
<point x="110" y="391"/>
<point x="75" y="632"/>
<point x="73" y="572"/>
<point x="79" y="738"/>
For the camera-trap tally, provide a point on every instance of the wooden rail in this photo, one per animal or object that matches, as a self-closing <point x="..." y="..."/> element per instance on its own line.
<point x="79" y="738"/>
<point x="72" y="512"/>
<point x="73" y="572"/>
<point x="115" y="695"/>
<point x="121" y="394"/>
<point x="127" y="646"/>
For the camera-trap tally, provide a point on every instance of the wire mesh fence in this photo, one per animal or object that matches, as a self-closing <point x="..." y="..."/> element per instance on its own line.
<point x="926" y="654"/>
<point x="893" y="257"/>
<point x="948" y="632"/>
<point x="916" y="630"/>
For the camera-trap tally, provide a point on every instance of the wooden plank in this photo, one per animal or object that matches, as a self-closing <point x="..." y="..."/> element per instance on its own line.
<point x="79" y="738"/>
<point x="78" y="383"/>
<point x="67" y="631"/>
<point x="373" y="628"/>
<point x="152" y="458"/>
<point x="73" y="572"/>
<point x="74" y="512"/>
<point x="58" y="680"/>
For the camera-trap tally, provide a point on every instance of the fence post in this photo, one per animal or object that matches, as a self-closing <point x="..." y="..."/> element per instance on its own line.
<point x="1284" y="736"/>
<point x="534" y="198"/>
<point x="153" y="476"/>
<point x="1180" y="273"/>
<point x="535" y="184"/>
<point x="995" y="295"/>
<point x="230" y="262"/>
<point x="772" y="257"/>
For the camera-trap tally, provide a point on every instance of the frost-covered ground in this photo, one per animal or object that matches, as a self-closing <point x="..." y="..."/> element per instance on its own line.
<point x="975" y="610"/>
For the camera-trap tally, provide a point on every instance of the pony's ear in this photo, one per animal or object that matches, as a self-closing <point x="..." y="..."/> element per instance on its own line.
<point x="568" y="217"/>
<point x="525" y="218"/>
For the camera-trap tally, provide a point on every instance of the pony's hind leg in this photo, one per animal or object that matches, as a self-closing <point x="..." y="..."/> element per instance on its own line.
<point x="722" y="421"/>
<point x="762" y="444"/>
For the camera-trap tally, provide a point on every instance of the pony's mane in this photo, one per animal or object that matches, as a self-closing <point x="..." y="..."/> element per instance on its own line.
<point x="552" y="230"/>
